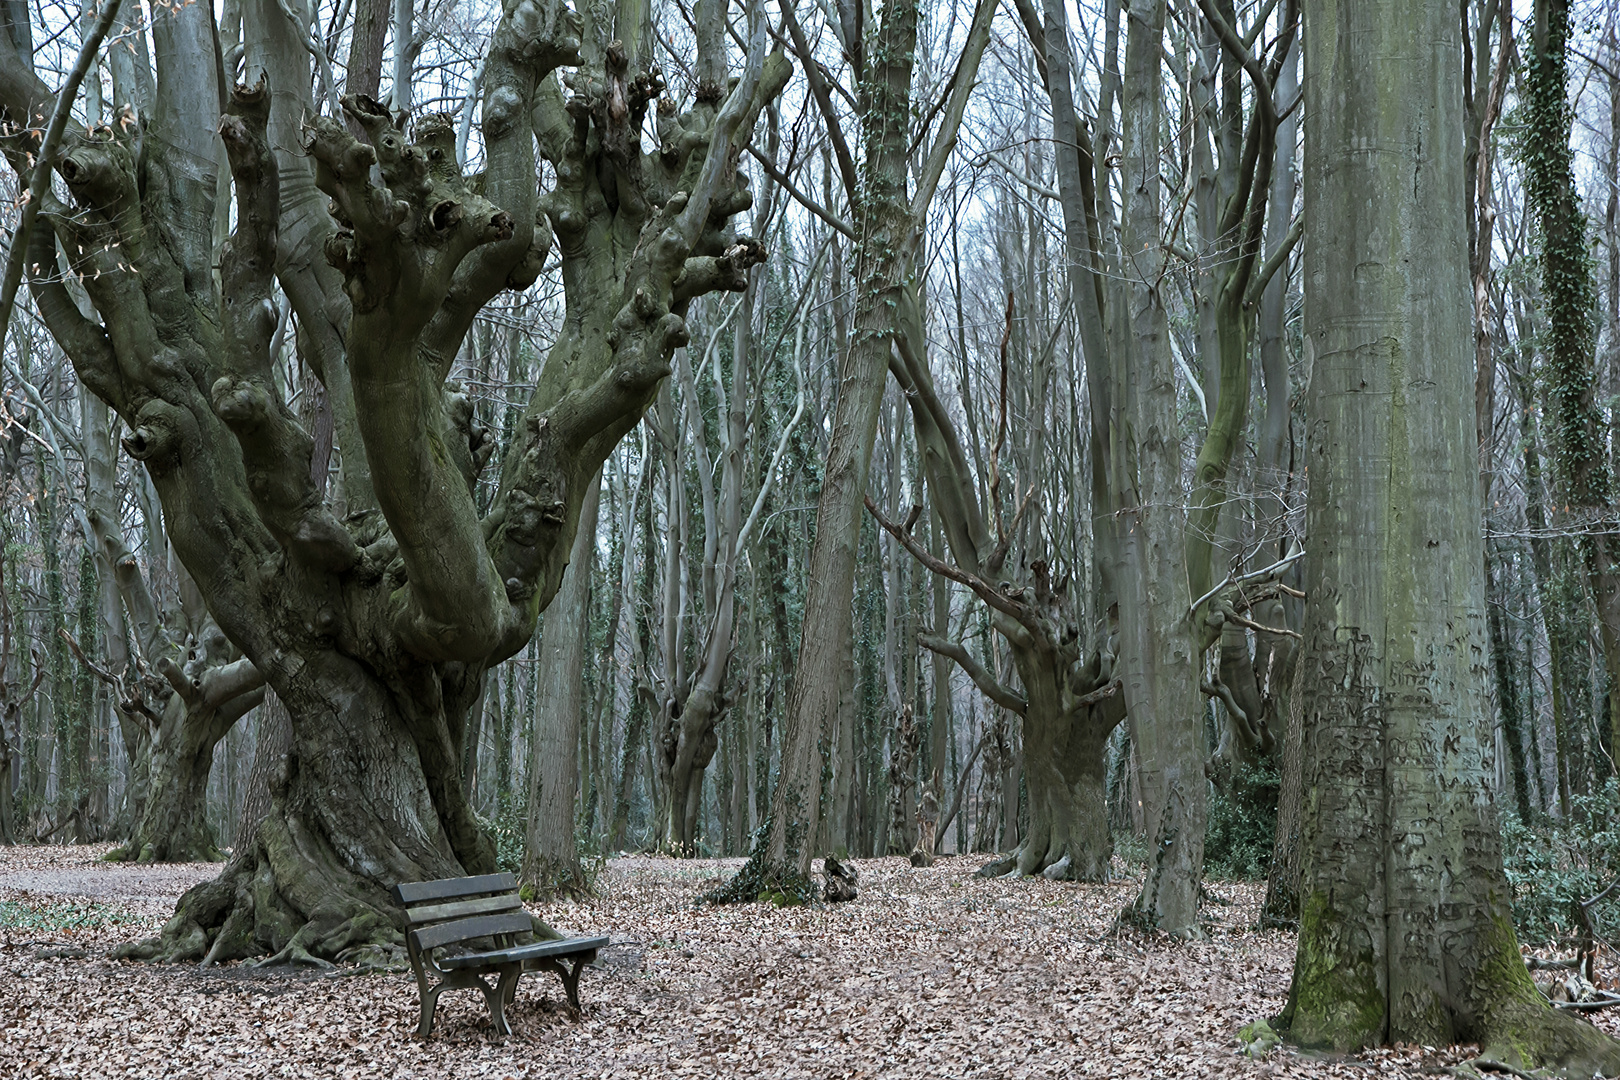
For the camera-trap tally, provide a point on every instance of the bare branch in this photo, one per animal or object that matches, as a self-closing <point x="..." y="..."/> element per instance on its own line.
<point x="1259" y="575"/>
<point x="818" y="90"/>
<point x="1004" y="696"/>
<point x="967" y="72"/>
<point x="1244" y="620"/>
<point x="800" y="197"/>
<point x="986" y="591"/>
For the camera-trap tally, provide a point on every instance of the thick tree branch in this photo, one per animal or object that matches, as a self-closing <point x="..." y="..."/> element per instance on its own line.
<point x="1097" y="696"/>
<point x="276" y="451"/>
<point x="967" y="73"/>
<point x="1004" y="696"/>
<point x="986" y="591"/>
<point x="818" y="91"/>
<point x="1274" y="262"/>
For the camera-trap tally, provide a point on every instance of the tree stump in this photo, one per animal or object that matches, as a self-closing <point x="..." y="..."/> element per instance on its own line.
<point x="841" y="881"/>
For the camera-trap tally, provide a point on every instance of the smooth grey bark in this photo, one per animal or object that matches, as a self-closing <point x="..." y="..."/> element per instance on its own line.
<point x="551" y="863"/>
<point x="1157" y="649"/>
<point x="1137" y="492"/>
<point x="1405" y="924"/>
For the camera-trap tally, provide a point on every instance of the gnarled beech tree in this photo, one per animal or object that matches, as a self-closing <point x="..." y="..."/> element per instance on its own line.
<point x="375" y="630"/>
<point x="1069" y="702"/>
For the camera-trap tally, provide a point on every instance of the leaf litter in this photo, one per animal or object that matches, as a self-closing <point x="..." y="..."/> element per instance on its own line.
<point x="931" y="972"/>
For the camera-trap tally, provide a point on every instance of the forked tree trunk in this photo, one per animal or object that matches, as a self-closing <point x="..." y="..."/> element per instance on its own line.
<point x="173" y="824"/>
<point x="1065" y="775"/>
<point x="1406" y="930"/>
<point x="889" y="219"/>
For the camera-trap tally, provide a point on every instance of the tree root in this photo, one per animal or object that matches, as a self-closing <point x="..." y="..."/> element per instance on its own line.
<point x="763" y="882"/>
<point x="1533" y="1039"/>
<point x="133" y="852"/>
<point x="999" y="867"/>
<point x="274" y="900"/>
<point x="1470" y="1069"/>
<point x="1052" y="863"/>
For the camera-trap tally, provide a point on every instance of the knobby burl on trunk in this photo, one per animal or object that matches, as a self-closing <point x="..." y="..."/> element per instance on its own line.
<point x="376" y="631"/>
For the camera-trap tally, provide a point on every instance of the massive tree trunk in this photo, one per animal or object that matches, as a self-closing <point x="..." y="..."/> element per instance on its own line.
<point x="376" y="631"/>
<point x="1405" y="923"/>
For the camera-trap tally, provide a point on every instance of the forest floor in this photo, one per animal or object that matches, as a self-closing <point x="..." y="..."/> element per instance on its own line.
<point x="929" y="973"/>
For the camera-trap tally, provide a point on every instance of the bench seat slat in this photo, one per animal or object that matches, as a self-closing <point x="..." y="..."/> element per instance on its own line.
<point x="565" y="947"/>
<point x="456" y="909"/>
<point x="447" y="933"/>
<point x="415" y="892"/>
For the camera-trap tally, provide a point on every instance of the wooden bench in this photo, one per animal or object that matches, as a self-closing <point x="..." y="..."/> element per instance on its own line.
<point x="456" y="914"/>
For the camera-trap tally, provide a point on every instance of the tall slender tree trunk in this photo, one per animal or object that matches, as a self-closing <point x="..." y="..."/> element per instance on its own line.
<point x="1585" y="481"/>
<point x="884" y="226"/>
<point x="1156" y="642"/>
<point x="551" y="863"/>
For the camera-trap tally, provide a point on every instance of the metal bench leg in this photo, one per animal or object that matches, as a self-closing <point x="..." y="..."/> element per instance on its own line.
<point x="510" y="986"/>
<point x="499" y="995"/>
<point x="429" y="998"/>
<point x="570" y="981"/>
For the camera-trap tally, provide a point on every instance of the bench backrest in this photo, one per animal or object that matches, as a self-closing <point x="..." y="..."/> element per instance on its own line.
<point x="460" y="909"/>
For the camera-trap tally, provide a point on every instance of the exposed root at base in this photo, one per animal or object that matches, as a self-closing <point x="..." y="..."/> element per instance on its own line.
<point x="1470" y="1069"/>
<point x="147" y="853"/>
<point x="1539" y="1041"/>
<point x="761" y="881"/>
<point x="1052" y="864"/>
<point x="250" y="910"/>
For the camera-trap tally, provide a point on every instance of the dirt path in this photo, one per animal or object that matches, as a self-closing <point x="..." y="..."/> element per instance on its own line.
<point x="931" y="973"/>
<point x="78" y="871"/>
